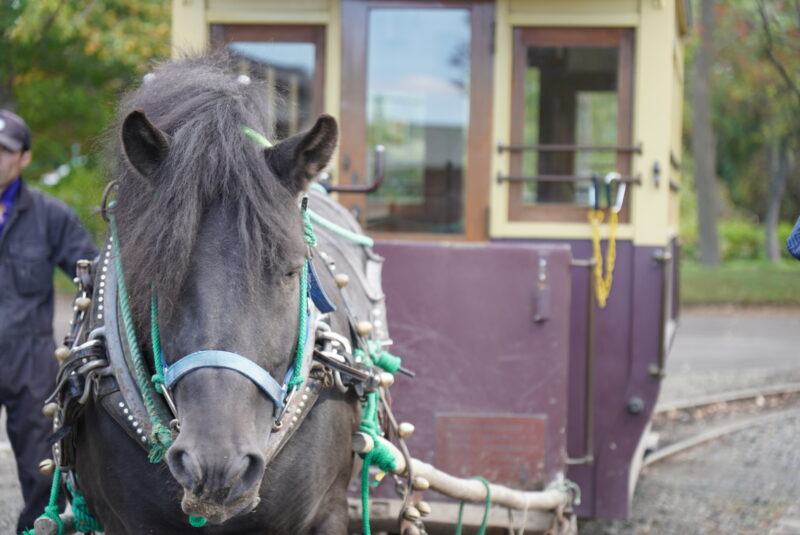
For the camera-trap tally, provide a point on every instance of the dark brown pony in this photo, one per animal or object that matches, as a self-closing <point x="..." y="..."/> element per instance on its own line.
<point x="209" y="221"/>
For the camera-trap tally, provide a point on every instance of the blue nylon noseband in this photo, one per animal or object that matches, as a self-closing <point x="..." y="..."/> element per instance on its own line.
<point x="225" y="359"/>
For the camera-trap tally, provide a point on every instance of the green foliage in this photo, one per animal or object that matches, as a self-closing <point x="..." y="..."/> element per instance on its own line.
<point x="739" y="240"/>
<point x="64" y="65"/>
<point x="741" y="283"/>
<point x="756" y="100"/>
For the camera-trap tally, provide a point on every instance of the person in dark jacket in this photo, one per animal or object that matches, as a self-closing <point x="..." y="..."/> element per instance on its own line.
<point x="793" y="242"/>
<point x="37" y="233"/>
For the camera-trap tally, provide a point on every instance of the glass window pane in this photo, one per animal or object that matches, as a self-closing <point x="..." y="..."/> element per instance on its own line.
<point x="570" y="99"/>
<point x="418" y="108"/>
<point x="289" y="68"/>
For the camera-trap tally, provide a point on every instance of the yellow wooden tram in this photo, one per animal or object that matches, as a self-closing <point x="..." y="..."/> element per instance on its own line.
<point x="495" y="119"/>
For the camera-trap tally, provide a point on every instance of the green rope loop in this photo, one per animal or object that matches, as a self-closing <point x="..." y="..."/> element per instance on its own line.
<point x="487" y="503"/>
<point x="160" y="438"/>
<point x="85" y="522"/>
<point x="256" y="136"/>
<point x="302" y="334"/>
<point x="383" y="359"/>
<point x="341" y="231"/>
<point x="197" y="521"/>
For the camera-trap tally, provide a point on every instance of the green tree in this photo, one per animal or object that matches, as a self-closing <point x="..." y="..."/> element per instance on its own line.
<point x="756" y="105"/>
<point x="64" y="65"/>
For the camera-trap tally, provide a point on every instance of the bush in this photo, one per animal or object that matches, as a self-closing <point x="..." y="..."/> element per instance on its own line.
<point x="738" y="240"/>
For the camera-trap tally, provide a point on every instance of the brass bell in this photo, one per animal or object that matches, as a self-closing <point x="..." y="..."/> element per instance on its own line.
<point x="363" y="328"/>
<point x="47" y="466"/>
<point x="342" y="279"/>
<point x="50" y="410"/>
<point x="412" y="513"/>
<point x="405" y="429"/>
<point x="420" y="483"/>
<point x="386" y="379"/>
<point x="423" y="508"/>
<point x="62" y="353"/>
<point x="83" y="303"/>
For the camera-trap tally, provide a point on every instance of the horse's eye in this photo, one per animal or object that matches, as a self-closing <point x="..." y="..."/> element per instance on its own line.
<point x="293" y="272"/>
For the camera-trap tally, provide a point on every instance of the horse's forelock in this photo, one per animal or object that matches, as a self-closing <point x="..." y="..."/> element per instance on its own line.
<point x="203" y="107"/>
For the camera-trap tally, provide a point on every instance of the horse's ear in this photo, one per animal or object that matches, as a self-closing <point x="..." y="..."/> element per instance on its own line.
<point x="298" y="159"/>
<point x="146" y="146"/>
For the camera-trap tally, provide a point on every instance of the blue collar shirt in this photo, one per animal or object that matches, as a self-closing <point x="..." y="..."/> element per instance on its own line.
<point x="7" y="200"/>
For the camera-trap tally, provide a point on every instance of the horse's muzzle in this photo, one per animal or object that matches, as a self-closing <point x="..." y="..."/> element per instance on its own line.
<point x="216" y="486"/>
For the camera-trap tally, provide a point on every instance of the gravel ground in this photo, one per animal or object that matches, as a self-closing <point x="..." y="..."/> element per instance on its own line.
<point x="10" y="496"/>
<point x="741" y="484"/>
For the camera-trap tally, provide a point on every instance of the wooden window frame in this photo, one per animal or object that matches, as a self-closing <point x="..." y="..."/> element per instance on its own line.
<point x="623" y="39"/>
<point x="281" y="33"/>
<point x="353" y="157"/>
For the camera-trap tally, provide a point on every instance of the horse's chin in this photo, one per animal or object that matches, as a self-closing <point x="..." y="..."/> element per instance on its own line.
<point x="215" y="512"/>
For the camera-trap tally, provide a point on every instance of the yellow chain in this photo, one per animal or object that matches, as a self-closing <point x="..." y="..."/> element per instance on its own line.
<point x="603" y="283"/>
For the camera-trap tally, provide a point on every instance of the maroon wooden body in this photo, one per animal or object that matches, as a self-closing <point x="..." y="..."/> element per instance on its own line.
<point x="500" y="357"/>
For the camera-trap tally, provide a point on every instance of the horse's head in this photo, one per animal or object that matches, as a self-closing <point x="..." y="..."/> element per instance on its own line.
<point x="210" y="224"/>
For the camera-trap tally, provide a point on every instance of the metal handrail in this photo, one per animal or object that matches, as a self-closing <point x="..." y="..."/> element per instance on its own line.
<point x="379" y="174"/>
<point x="554" y="147"/>
<point x="637" y="179"/>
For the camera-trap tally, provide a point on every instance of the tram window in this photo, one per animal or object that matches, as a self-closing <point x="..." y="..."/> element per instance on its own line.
<point x="572" y="87"/>
<point x="289" y="59"/>
<point x="418" y="108"/>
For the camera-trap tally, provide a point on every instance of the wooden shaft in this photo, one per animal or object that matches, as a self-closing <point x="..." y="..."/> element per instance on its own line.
<point x="472" y="490"/>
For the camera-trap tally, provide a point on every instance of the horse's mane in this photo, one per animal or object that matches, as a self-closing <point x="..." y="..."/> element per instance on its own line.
<point x="201" y="104"/>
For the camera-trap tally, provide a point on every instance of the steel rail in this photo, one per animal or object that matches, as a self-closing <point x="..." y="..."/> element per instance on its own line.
<point x="717" y="432"/>
<point x="724" y="397"/>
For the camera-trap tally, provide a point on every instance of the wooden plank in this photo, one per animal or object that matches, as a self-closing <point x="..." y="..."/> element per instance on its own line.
<point x="573" y="7"/>
<point x="384" y="513"/>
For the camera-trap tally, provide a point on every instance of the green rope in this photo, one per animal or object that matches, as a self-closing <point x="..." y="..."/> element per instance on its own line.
<point x="85" y="522"/>
<point x="341" y="231"/>
<point x="161" y="438"/>
<point x="155" y="337"/>
<point x="365" y="527"/>
<point x="51" y="509"/>
<point x="256" y="136"/>
<point x="302" y="334"/>
<point x="487" y="504"/>
<point x="197" y="521"/>
<point x="308" y="228"/>
<point x="383" y="359"/>
<point x="319" y="187"/>
<point x="297" y="372"/>
<point x="380" y="455"/>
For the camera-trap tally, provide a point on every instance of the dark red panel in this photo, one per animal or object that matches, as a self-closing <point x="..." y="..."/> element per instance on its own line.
<point x="485" y="327"/>
<point x="503" y="449"/>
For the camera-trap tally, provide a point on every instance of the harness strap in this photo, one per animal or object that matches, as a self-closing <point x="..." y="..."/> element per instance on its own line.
<point x="232" y="361"/>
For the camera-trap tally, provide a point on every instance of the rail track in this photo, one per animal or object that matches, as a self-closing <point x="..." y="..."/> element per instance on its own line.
<point x="727" y="412"/>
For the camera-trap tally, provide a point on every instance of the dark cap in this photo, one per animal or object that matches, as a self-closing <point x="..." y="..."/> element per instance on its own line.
<point x="14" y="133"/>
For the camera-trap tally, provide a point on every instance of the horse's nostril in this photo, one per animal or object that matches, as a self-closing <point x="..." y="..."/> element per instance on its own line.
<point x="184" y="468"/>
<point x="251" y="474"/>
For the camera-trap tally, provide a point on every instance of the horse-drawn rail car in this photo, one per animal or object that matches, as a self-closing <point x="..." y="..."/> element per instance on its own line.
<point x="495" y="116"/>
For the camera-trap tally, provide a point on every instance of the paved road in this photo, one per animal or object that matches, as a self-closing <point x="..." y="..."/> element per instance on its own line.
<point x="722" y="349"/>
<point x="714" y="350"/>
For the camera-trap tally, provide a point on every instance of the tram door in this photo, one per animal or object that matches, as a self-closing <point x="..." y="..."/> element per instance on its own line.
<point x="289" y="58"/>
<point x="416" y="78"/>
